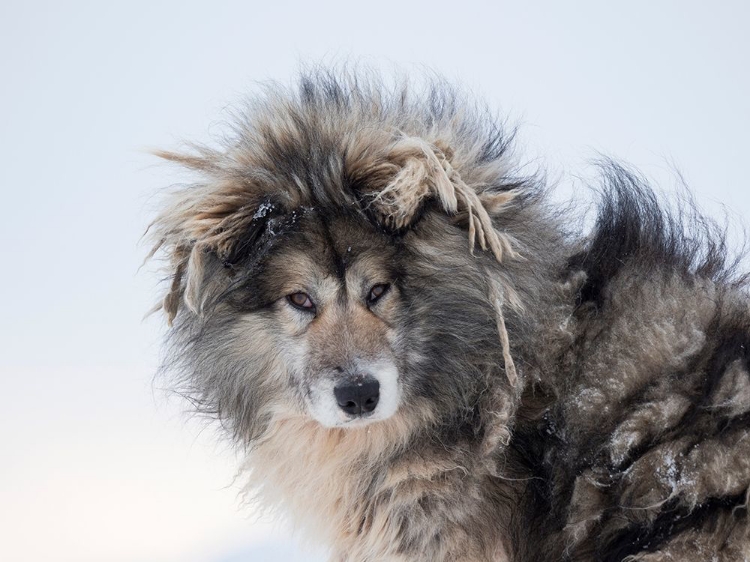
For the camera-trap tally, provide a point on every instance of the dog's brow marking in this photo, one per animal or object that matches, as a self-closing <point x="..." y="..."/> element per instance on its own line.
<point x="339" y="262"/>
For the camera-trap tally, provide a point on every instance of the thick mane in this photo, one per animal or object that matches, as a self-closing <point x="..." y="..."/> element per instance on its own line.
<point x="342" y="142"/>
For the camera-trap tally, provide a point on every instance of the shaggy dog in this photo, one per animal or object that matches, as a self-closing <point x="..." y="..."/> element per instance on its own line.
<point x="424" y="362"/>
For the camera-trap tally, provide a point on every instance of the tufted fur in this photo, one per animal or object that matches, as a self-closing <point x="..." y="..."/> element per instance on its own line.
<point x="561" y="397"/>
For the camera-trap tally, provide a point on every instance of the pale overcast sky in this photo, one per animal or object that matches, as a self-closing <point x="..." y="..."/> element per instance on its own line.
<point x="98" y="465"/>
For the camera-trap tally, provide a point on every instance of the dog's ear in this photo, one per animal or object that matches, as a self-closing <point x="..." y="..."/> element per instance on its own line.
<point x="411" y="172"/>
<point x="204" y="230"/>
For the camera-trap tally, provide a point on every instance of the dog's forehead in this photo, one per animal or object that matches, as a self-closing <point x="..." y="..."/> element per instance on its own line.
<point x="331" y="244"/>
<point x="353" y="234"/>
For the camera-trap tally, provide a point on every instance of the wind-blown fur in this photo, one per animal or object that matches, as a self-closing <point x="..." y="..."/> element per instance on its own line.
<point x="557" y="396"/>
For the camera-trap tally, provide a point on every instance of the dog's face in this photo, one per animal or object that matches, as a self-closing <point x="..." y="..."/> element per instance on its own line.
<point x="330" y="294"/>
<point x="330" y="317"/>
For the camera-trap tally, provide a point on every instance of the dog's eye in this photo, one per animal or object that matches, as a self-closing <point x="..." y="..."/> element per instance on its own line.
<point x="376" y="292"/>
<point x="301" y="301"/>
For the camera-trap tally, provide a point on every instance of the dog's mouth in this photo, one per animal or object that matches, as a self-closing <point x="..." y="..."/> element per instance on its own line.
<point x="360" y="421"/>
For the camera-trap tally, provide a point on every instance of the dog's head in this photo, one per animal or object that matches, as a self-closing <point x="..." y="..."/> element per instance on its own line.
<point x="338" y="260"/>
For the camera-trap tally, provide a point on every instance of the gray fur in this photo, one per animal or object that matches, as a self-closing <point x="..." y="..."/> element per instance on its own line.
<point x="563" y="397"/>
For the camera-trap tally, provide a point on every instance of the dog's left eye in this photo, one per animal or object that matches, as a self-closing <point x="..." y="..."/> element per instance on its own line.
<point x="376" y="292"/>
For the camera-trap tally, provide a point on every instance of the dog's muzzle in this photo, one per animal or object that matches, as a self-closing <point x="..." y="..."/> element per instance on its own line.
<point x="365" y="394"/>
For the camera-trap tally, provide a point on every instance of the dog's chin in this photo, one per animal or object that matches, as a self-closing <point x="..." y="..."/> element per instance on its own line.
<point x="360" y="421"/>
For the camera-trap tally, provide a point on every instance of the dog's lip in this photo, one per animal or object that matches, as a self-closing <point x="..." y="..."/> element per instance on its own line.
<point x="360" y="420"/>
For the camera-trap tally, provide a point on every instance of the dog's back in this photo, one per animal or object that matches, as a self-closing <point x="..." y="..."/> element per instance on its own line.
<point x="642" y="450"/>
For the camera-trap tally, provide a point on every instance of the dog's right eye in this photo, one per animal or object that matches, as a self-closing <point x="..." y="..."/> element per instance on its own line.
<point x="301" y="301"/>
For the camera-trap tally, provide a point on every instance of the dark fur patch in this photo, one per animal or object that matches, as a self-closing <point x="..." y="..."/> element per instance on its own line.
<point x="673" y="520"/>
<point x="633" y="227"/>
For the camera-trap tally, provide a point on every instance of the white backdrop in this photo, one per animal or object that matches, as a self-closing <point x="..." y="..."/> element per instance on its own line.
<point x="96" y="463"/>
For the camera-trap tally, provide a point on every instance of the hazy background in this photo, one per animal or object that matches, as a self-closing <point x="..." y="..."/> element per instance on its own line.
<point x="96" y="464"/>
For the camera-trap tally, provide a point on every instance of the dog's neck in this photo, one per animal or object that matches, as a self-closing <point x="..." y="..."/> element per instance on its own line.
<point x="373" y="495"/>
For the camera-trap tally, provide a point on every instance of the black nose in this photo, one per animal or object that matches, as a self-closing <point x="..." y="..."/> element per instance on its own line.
<point x="358" y="397"/>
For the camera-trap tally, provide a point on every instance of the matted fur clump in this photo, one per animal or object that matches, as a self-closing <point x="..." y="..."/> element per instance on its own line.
<point x="423" y="362"/>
